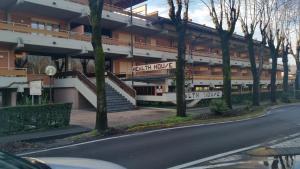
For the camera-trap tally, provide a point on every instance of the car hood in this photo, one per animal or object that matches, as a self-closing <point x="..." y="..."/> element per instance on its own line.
<point x="77" y="163"/>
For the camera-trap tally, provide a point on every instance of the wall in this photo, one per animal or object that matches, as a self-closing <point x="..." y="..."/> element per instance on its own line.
<point x="67" y="95"/>
<point x="28" y="18"/>
<point x="7" y="58"/>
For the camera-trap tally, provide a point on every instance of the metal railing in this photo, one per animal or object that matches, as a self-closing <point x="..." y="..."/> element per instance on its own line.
<point x="91" y="85"/>
<point x="24" y="28"/>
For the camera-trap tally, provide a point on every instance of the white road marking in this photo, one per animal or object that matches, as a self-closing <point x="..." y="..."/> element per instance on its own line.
<point x="143" y="133"/>
<point x="137" y="134"/>
<point x="229" y="153"/>
<point x="214" y="157"/>
<point x="218" y="165"/>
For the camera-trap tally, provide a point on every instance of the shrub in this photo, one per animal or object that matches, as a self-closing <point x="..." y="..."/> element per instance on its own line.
<point x="285" y="98"/>
<point x="219" y="107"/>
<point x="29" y="118"/>
<point x="298" y="94"/>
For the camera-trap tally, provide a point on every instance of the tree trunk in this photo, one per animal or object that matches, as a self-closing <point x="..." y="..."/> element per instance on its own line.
<point x="286" y="70"/>
<point x="84" y="64"/>
<point x="298" y="68"/>
<point x="297" y="76"/>
<point x="226" y="69"/>
<point x="180" y="73"/>
<point x="273" y="73"/>
<point x="96" y="7"/>
<point x="255" y="74"/>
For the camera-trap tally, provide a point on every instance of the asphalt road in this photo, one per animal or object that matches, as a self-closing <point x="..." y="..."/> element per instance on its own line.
<point x="164" y="149"/>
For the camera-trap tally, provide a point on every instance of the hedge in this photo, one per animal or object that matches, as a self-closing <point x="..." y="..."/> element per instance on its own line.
<point x="30" y="118"/>
<point x="264" y="96"/>
<point x="236" y="99"/>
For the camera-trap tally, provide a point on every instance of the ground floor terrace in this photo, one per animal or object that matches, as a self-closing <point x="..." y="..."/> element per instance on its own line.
<point x="19" y="66"/>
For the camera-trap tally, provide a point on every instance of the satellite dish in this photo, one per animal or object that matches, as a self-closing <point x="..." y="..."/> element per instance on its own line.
<point x="50" y="70"/>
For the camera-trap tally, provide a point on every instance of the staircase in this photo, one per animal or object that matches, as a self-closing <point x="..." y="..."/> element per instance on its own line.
<point x="119" y="96"/>
<point x="115" y="101"/>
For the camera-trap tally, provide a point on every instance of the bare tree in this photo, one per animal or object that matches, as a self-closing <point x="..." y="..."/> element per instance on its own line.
<point x="295" y="45"/>
<point x="225" y="14"/>
<point x="274" y="40"/>
<point x="180" y="19"/>
<point x="286" y="43"/>
<point x="96" y="7"/>
<point x="264" y="20"/>
<point x="249" y="21"/>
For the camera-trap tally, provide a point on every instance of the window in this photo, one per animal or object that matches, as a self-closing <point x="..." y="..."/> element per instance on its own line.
<point x="49" y="27"/>
<point x="56" y="27"/>
<point x="44" y="25"/>
<point x="34" y="25"/>
<point x="41" y="26"/>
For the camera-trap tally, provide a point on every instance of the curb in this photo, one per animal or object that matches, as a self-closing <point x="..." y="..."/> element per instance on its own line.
<point x="44" y="135"/>
<point x="281" y="106"/>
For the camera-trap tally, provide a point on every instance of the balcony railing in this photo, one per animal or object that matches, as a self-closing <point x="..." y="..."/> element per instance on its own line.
<point x="113" y="8"/>
<point x="13" y="72"/>
<point x="23" y="28"/>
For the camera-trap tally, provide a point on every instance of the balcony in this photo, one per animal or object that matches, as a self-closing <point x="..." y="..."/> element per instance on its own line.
<point x="166" y="51"/>
<point x="12" y="77"/>
<point x="13" y="72"/>
<point x="113" y="8"/>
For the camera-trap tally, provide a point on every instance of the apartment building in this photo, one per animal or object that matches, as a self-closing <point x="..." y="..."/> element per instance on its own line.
<point x="37" y="33"/>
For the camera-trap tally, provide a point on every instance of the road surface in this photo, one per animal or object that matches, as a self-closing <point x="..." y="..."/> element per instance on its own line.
<point x="168" y="148"/>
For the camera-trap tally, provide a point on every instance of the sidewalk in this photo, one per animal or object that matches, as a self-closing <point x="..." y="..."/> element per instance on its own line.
<point x="42" y="135"/>
<point x="86" y="118"/>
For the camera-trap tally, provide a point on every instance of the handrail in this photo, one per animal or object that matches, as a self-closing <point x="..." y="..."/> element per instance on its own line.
<point x="80" y="76"/>
<point x="92" y="85"/>
<point x="121" y="84"/>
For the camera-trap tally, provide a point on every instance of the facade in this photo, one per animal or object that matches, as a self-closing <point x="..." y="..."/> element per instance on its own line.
<point x="37" y="33"/>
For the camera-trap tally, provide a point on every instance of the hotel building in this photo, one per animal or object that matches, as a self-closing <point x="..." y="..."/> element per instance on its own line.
<point x="37" y="33"/>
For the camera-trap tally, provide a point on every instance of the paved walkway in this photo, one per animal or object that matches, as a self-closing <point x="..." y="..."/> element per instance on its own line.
<point x="43" y="135"/>
<point x="87" y="118"/>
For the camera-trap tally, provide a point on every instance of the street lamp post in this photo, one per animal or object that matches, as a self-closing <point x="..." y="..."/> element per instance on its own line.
<point x="50" y="71"/>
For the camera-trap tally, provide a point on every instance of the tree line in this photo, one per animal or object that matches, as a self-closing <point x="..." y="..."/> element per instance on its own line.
<point x="276" y="21"/>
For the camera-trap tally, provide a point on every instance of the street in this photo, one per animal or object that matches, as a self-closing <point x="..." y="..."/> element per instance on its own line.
<point x="168" y="148"/>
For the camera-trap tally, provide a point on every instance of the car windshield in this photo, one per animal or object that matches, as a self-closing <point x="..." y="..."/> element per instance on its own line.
<point x="11" y="162"/>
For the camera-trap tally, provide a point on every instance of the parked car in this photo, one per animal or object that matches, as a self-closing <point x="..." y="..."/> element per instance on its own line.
<point x="8" y="161"/>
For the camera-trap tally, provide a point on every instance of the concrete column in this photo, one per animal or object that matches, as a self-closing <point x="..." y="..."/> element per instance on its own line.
<point x="68" y="63"/>
<point x="13" y="98"/>
<point x="7" y="16"/>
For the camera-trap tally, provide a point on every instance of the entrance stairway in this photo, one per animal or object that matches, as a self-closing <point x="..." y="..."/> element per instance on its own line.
<point x="115" y="101"/>
<point x="119" y="96"/>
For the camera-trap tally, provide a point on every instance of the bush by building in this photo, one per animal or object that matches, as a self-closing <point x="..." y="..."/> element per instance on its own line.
<point x="30" y="118"/>
<point x="219" y="107"/>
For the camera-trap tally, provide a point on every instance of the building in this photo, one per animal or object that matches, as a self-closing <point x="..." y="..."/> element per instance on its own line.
<point x="37" y="33"/>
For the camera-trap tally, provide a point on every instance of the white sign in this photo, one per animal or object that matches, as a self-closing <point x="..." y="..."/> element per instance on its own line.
<point x="35" y="88"/>
<point x="203" y="95"/>
<point x="154" y="67"/>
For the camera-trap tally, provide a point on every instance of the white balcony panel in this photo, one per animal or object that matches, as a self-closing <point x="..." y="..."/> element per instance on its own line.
<point x="43" y="41"/>
<point x="60" y="4"/>
<point x="11" y="82"/>
<point x="83" y="10"/>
